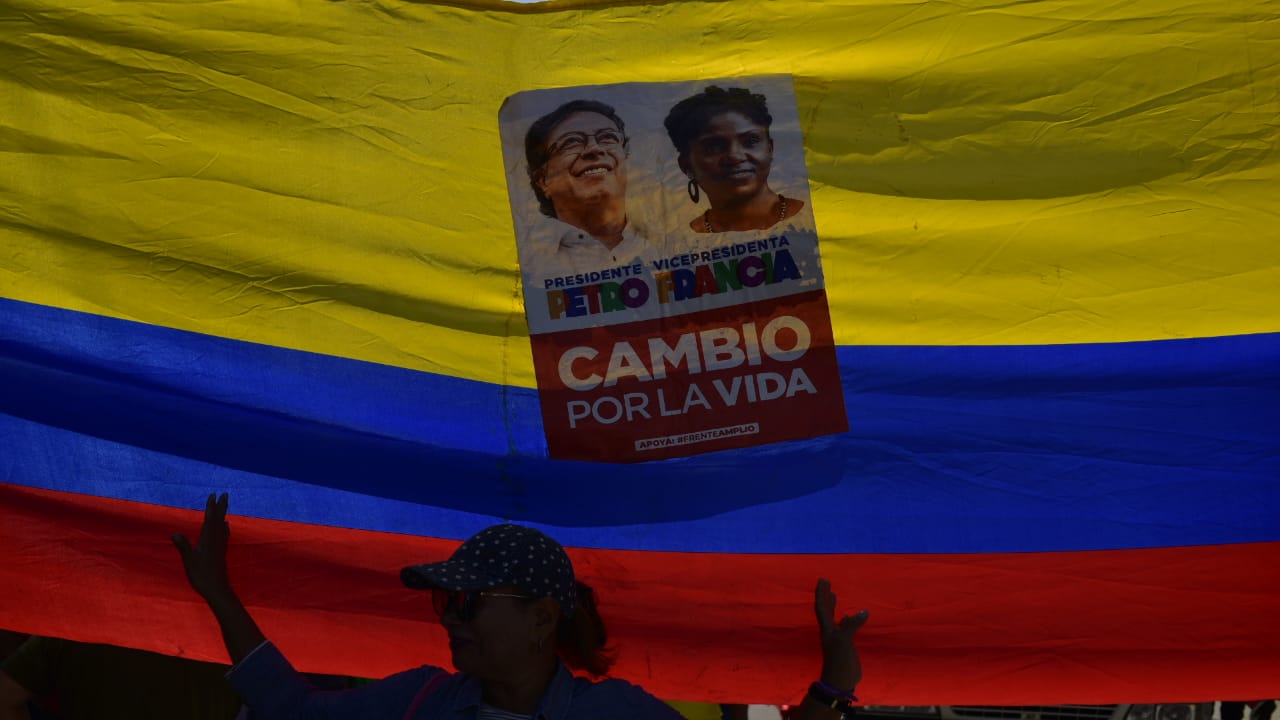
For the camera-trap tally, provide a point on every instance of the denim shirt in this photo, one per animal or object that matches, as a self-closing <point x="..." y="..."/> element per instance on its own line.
<point x="273" y="690"/>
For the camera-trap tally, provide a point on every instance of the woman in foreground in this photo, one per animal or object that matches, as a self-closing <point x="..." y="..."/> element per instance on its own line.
<point x="516" y="623"/>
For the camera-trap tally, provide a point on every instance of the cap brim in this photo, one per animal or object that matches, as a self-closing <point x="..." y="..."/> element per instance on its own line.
<point x="445" y="575"/>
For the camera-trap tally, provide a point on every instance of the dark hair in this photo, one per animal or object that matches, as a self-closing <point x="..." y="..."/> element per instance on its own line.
<point x="689" y="116"/>
<point x="581" y="640"/>
<point x="535" y="141"/>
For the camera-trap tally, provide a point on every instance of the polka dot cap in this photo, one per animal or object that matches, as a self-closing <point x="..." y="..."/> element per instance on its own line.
<point x="503" y="555"/>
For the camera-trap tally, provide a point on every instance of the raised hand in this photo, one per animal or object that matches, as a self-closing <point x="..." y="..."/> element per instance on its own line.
<point x="841" y="668"/>
<point x="206" y="566"/>
<point x="206" y="562"/>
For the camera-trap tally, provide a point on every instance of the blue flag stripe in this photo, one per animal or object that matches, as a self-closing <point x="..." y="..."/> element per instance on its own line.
<point x="951" y="449"/>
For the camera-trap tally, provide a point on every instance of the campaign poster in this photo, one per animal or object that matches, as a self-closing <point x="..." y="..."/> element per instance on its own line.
<point x="671" y="268"/>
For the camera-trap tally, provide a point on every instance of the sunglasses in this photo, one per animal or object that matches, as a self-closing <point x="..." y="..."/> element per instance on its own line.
<point x="465" y="602"/>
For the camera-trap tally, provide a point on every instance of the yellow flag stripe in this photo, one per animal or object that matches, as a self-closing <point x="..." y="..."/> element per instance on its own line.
<point x="328" y="177"/>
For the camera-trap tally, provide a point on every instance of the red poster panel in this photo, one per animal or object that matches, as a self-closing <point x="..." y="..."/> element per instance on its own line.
<point x="703" y="381"/>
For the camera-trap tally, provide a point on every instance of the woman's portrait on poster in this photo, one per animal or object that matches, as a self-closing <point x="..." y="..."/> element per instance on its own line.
<point x="725" y="150"/>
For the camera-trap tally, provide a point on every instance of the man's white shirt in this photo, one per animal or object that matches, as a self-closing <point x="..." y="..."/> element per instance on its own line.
<point x="563" y="250"/>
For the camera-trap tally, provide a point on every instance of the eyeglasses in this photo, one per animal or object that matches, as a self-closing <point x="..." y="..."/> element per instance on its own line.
<point x="576" y="142"/>
<point x="465" y="602"/>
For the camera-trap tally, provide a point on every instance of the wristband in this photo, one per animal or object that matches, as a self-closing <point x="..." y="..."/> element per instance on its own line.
<point x="835" y="691"/>
<point x="833" y="698"/>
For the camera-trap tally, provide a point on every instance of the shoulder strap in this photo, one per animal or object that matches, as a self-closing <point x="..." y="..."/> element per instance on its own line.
<point x="427" y="688"/>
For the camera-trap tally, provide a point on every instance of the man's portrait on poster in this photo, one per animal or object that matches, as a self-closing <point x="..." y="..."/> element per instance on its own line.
<point x="577" y="164"/>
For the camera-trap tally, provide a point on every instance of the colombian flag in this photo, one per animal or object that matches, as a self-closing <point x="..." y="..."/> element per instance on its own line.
<point x="265" y="247"/>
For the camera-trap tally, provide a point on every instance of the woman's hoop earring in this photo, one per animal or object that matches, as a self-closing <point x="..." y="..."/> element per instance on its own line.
<point x="693" y="190"/>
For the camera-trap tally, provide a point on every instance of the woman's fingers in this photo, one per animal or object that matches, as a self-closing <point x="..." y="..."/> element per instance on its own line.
<point x="850" y="624"/>
<point x="213" y="531"/>
<point x="184" y="546"/>
<point x="205" y="562"/>
<point x="824" y="606"/>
